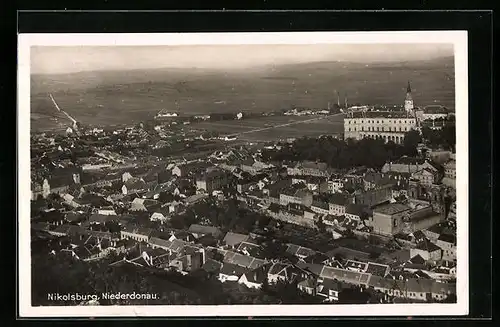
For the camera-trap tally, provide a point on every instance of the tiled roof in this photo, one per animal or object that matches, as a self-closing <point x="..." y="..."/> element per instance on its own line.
<point x="235" y="238"/>
<point x="345" y="275"/>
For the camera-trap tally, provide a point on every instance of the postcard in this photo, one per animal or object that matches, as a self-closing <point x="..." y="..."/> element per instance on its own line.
<point x="243" y="174"/>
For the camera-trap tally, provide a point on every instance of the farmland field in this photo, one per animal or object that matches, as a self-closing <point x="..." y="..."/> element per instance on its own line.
<point x="272" y="128"/>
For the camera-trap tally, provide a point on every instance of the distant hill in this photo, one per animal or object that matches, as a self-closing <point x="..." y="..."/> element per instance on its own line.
<point x="109" y="97"/>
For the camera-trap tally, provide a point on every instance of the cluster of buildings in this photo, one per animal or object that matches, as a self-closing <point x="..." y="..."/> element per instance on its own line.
<point x="104" y="194"/>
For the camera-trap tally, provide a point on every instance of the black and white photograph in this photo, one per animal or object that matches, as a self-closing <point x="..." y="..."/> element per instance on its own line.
<point x="243" y="174"/>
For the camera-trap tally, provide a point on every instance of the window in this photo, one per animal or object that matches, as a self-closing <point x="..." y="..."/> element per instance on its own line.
<point x="362" y="129"/>
<point x="395" y="223"/>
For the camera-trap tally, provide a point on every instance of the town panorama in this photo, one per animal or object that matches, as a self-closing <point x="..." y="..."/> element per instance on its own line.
<point x="341" y="203"/>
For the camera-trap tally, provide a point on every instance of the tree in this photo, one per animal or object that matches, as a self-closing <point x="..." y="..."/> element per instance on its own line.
<point x="411" y="141"/>
<point x="321" y="225"/>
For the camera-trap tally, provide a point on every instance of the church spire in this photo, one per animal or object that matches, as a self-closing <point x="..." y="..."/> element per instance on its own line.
<point x="408" y="89"/>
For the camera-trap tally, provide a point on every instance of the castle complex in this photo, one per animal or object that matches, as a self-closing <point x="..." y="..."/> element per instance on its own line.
<point x="386" y="125"/>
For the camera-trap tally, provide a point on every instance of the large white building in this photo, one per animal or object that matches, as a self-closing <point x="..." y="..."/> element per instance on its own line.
<point x="386" y="125"/>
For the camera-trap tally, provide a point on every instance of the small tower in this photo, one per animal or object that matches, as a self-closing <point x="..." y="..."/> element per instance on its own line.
<point x="408" y="100"/>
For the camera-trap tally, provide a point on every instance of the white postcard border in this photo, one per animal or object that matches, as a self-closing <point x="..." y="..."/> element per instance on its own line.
<point x="457" y="38"/>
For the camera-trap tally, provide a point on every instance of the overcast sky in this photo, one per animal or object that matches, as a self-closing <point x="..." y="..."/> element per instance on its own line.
<point x="60" y="60"/>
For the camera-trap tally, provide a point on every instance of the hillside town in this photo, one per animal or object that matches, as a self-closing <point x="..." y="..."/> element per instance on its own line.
<point x="365" y="218"/>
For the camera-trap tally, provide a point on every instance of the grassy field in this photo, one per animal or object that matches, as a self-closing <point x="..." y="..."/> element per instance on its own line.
<point x="115" y="97"/>
<point x="271" y="128"/>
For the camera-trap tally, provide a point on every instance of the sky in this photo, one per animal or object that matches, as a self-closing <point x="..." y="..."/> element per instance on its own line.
<point x="62" y="60"/>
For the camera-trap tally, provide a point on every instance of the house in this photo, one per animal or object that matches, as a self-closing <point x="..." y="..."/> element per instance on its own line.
<point x="249" y="248"/>
<point x="255" y="278"/>
<point x="254" y="167"/>
<point x="281" y="272"/>
<point x="74" y="217"/>
<point x="356" y="266"/>
<point x="425" y="176"/>
<point x="317" y="258"/>
<point x="145" y="205"/>
<point x="356" y="212"/>
<point x="212" y="266"/>
<point x="234" y="239"/>
<point x="308" y="285"/>
<point x="192" y="168"/>
<point x="243" y="260"/>
<point x="309" y="168"/>
<point x="329" y="290"/>
<point x="335" y="185"/>
<point x="107" y="211"/>
<point x="450" y="173"/>
<point x="213" y="180"/>
<point x="102" y="219"/>
<point x="372" y="180"/>
<point x="344" y="275"/>
<point x="296" y="193"/>
<point x="200" y="230"/>
<point x="320" y="206"/>
<point x="407" y="164"/>
<point x="313" y="183"/>
<point x="388" y="218"/>
<point x="448" y="243"/>
<point x="231" y="272"/>
<point x="156" y="242"/>
<point x="188" y="261"/>
<point x="60" y="180"/>
<point x="433" y="232"/>
<point x="299" y="251"/>
<point x="137" y="234"/>
<point x="53" y="217"/>
<point x="68" y="198"/>
<point x="134" y="185"/>
<point x="337" y="204"/>
<point x="409" y="288"/>
<point x="427" y="250"/>
<point x="377" y="269"/>
<point x="159" y="216"/>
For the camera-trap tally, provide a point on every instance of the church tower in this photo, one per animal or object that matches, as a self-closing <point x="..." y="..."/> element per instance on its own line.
<point x="408" y="100"/>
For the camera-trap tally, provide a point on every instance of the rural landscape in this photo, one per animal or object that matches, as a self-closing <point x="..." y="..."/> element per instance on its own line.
<point x="223" y="176"/>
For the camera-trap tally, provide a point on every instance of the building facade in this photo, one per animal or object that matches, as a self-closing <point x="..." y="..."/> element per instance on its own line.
<point x="385" y="125"/>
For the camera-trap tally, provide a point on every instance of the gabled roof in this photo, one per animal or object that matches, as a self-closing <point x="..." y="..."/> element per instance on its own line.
<point x="201" y="229"/>
<point x="212" y="266"/>
<point x="377" y="269"/>
<point x="160" y="242"/>
<point x="235" y="238"/>
<point x="344" y="275"/>
<point x="135" y="184"/>
<point x="230" y="269"/>
<point x="277" y="268"/>
<point x="448" y="238"/>
<point x="101" y="219"/>
<point x="427" y="246"/>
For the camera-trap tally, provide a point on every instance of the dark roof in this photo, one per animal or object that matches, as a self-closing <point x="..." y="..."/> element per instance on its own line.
<point x="232" y="269"/>
<point x="356" y="209"/>
<point x="391" y="208"/>
<point x="427" y="246"/>
<point x="212" y="266"/>
<point x="316" y="258"/>
<point x="448" y="238"/>
<point x="98" y="218"/>
<point x="377" y="269"/>
<point x="235" y="238"/>
<point x="200" y="229"/>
